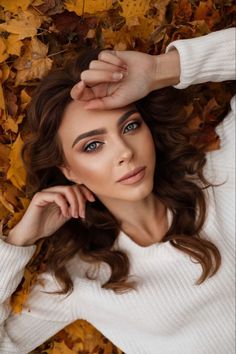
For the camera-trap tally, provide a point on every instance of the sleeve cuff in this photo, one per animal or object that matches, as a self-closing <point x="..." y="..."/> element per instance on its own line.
<point x="207" y="58"/>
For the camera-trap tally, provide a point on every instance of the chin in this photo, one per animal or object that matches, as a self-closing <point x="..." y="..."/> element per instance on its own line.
<point x="140" y="193"/>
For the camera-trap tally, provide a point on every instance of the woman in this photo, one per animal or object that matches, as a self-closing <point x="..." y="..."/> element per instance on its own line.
<point x="121" y="188"/>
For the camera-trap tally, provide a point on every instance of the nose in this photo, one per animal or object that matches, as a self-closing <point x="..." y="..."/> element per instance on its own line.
<point x="124" y="152"/>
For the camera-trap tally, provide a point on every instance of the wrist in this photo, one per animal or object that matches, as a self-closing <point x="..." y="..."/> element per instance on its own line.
<point x="167" y="70"/>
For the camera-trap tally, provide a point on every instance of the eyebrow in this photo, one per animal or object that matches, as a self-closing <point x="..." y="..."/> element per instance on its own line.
<point x="103" y="130"/>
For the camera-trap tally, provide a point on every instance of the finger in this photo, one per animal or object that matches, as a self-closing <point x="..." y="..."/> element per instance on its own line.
<point x="87" y="193"/>
<point x="101" y="65"/>
<point x="69" y="194"/>
<point x="77" y="90"/>
<point x="43" y="198"/>
<point x="81" y="202"/>
<point x="111" y="57"/>
<point x="93" y="77"/>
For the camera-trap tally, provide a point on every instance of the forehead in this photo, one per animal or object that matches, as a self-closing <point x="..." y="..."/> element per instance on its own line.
<point x="76" y="114"/>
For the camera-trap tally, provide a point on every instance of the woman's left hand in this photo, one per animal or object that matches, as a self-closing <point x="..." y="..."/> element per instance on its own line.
<point x="103" y="91"/>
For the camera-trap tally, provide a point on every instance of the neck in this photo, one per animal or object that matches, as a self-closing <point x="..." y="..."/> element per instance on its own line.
<point x="144" y="221"/>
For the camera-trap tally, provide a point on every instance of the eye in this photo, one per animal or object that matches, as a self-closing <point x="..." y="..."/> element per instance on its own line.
<point x="132" y="126"/>
<point x="93" y="146"/>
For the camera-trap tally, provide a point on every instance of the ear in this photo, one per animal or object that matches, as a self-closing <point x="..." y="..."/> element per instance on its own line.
<point x="68" y="174"/>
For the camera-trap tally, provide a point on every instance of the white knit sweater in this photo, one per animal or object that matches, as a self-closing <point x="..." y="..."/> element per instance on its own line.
<point x="168" y="314"/>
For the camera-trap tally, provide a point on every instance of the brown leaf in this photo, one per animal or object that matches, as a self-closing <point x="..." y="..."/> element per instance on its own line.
<point x="34" y="64"/>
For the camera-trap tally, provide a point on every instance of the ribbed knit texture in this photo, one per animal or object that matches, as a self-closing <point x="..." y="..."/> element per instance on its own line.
<point x="168" y="314"/>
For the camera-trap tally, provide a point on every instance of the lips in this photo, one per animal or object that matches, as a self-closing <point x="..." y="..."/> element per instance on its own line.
<point x="131" y="173"/>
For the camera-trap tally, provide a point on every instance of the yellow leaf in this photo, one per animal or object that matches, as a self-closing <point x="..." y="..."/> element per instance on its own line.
<point x="34" y="64"/>
<point x="3" y="50"/>
<point x="5" y="203"/>
<point x="5" y="71"/>
<point x="14" y="44"/>
<point x="4" y="157"/>
<point x="59" y="348"/>
<point x="10" y="124"/>
<point x="2" y="105"/>
<point x="13" y="5"/>
<point x="3" y="212"/>
<point x="144" y="30"/>
<point x="16" y="173"/>
<point x="90" y="6"/>
<point x="25" y="99"/>
<point x="134" y="8"/>
<point x="117" y="39"/>
<point x="25" y="24"/>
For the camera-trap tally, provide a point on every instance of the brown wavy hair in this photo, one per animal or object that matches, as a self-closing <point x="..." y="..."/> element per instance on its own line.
<point x="178" y="181"/>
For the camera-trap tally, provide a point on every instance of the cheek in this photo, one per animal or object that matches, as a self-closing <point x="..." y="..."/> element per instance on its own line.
<point x="148" y="145"/>
<point x="93" y="172"/>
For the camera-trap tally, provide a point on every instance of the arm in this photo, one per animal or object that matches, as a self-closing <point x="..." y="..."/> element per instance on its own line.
<point x="23" y="332"/>
<point x="207" y="58"/>
<point x="186" y="62"/>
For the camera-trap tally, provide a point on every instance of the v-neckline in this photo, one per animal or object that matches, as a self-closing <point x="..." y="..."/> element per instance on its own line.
<point x="126" y="243"/>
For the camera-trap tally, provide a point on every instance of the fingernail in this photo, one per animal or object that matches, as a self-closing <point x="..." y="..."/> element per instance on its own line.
<point x="117" y="76"/>
<point x="91" y="198"/>
<point x="83" y="214"/>
<point x="76" y="215"/>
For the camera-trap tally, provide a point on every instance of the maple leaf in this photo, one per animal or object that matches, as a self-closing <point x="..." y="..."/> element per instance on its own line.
<point x="34" y="63"/>
<point x="24" y="24"/>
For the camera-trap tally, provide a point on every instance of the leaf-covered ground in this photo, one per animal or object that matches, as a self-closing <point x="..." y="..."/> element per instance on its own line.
<point x="36" y="35"/>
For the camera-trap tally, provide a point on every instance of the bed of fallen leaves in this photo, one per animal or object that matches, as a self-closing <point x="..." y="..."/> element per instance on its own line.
<point x="36" y="35"/>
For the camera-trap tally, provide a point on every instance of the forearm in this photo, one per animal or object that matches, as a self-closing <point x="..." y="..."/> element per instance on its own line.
<point x="16" y="239"/>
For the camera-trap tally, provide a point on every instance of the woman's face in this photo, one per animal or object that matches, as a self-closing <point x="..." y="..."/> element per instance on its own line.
<point x="100" y="147"/>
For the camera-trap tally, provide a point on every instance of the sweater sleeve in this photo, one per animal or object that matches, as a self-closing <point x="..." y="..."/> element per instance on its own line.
<point x="23" y="332"/>
<point x="212" y="58"/>
<point x="207" y="58"/>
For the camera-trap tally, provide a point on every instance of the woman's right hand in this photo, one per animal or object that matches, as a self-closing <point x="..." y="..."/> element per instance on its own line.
<point x="48" y="210"/>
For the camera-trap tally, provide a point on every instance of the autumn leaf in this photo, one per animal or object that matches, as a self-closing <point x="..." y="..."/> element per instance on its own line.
<point x="34" y="63"/>
<point x="24" y="24"/>
<point x="89" y="6"/>
<point x="16" y="173"/>
<point x="13" y="6"/>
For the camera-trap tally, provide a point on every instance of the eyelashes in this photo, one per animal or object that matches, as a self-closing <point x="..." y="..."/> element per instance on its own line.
<point x="96" y="145"/>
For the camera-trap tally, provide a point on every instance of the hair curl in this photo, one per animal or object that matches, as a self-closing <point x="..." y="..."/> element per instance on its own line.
<point x="178" y="181"/>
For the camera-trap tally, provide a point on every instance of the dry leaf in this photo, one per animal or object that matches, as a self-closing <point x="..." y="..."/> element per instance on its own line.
<point x="34" y="64"/>
<point x="16" y="173"/>
<point x="89" y="6"/>
<point x="25" y="24"/>
<point x="13" y="6"/>
<point x="14" y="45"/>
<point x="3" y="50"/>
